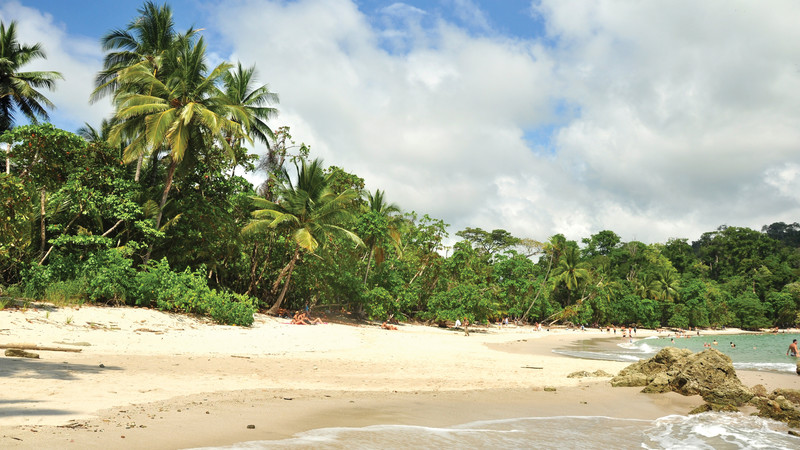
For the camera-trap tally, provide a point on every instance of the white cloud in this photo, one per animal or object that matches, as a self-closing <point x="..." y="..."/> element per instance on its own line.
<point x="676" y="111"/>
<point x="668" y="118"/>
<point x="77" y="58"/>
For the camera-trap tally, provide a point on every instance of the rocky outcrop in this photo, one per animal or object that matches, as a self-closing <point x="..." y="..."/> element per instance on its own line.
<point x="782" y="405"/>
<point x="709" y="374"/>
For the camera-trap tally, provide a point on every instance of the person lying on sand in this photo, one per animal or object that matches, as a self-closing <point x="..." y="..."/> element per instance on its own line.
<point x="302" y="319"/>
<point x="386" y="326"/>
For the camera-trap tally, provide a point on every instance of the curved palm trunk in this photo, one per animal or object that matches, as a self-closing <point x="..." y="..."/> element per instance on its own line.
<point x="544" y="282"/>
<point x="369" y="261"/>
<point x="170" y="175"/>
<point x="285" y="273"/>
<point x="8" y="159"/>
<point x="42" y="201"/>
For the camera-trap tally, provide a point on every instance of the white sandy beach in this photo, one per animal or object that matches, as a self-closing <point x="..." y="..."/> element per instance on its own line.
<point x="174" y="381"/>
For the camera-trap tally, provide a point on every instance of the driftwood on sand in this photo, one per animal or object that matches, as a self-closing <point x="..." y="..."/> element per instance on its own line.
<point x="37" y="347"/>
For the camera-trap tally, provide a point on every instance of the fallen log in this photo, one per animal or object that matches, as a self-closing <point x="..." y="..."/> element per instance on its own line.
<point x="36" y="347"/>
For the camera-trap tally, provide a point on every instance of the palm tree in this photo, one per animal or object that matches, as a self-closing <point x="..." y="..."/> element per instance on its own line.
<point x="382" y="212"/>
<point x="571" y="271"/>
<point x="666" y="284"/>
<point x="18" y="90"/>
<point x="182" y="113"/>
<point x="146" y="39"/>
<point x="239" y="88"/>
<point x="92" y="134"/>
<point x="309" y="211"/>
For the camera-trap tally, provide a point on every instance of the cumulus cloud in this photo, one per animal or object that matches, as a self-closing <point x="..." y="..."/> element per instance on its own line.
<point x="653" y="119"/>
<point x="665" y="119"/>
<point x="77" y="58"/>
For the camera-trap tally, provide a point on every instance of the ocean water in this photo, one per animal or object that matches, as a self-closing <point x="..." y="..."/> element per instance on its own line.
<point x="701" y="431"/>
<point x="752" y="352"/>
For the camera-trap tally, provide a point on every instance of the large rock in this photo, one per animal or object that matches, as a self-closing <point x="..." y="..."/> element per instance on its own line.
<point x="709" y="374"/>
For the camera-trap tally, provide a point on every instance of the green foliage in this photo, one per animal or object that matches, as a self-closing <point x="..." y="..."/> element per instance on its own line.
<point x="749" y="312"/>
<point x="188" y="292"/>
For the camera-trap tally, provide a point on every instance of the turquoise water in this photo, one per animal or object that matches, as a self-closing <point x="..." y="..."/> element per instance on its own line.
<point x="701" y="431"/>
<point x="752" y="352"/>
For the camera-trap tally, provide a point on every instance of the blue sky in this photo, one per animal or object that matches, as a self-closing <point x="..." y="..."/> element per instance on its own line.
<point x="655" y="119"/>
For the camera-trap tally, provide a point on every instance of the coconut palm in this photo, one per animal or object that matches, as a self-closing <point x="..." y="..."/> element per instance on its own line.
<point x="384" y="227"/>
<point x="571" y="271"/>
<point x="146" y="39"/>
<point x="309" y="211"/>
<point x="666" y="284"/>
<point x="239" y="87"/>
<point x="181" y="113"/>
<point x="18" y="90"/>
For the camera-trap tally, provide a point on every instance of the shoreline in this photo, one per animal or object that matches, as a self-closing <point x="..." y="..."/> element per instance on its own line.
<point x="171" y="381"/>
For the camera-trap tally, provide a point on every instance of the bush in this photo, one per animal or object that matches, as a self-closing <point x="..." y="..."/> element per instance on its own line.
<point x="108" y="276"/>
<point x="188" y="292"/>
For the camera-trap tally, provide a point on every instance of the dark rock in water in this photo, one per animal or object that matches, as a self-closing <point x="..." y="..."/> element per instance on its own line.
<point x="798" y="367"/>
<point x="709" y="374"/>
<point x="15" y="352"/>
<point x="706" y="407"/>
<point x="794" y="433"/>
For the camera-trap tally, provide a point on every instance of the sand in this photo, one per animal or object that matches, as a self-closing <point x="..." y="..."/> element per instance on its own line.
<point x="144" y="378"/>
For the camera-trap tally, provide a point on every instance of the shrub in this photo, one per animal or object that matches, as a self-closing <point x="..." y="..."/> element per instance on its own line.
<point x="188" y="292"/>
<point x="108" y="276"/>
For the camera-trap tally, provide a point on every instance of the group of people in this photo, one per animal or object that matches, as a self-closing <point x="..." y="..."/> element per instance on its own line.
<point x="301" y="318"/>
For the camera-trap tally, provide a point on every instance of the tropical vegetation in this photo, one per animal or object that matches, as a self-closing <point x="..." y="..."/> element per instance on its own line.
<point x="150" y="208"/>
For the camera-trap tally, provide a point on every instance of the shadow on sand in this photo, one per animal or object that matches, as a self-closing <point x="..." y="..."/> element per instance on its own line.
<point x="48" y="370"/>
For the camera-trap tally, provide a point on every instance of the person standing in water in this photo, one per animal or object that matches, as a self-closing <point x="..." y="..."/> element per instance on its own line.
<point x="792" y="348"/>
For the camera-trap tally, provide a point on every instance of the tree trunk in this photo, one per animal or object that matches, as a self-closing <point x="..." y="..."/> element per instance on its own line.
<point x="544" y="283"/>
<point x="42" y="212"/>
<point x="287" y="273"/>
<point x="8" y="158"/>
<point x="369" y="261"/>
<point x="138" y="168"/>
<point x="167" y="186"/>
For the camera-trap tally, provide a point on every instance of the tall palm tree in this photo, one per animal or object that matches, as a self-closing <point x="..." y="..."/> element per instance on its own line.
<point x="146" y="39"/>
<point x="18" y="90"/>
<point x="182" y="112"/>
<point x="571" y="271"/>
<point x="309" y="211"/>
<point x="385" y="212"/>
<point x="239" y="87"/>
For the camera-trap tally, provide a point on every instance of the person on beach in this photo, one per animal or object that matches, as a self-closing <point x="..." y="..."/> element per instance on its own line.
<point x="466" y="326"/>
<point x="792" y="349"/>
<point x="386" y="326"/>
<point x="715" y="342"/>
<point x="733" y="345"/>
<point x="458" y="323"/>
